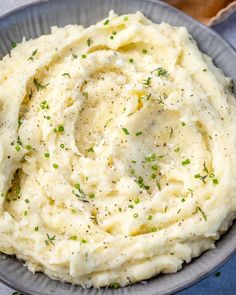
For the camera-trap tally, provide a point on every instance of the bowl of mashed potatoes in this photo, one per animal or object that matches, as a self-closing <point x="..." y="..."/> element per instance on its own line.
<point x="117" y="148"/>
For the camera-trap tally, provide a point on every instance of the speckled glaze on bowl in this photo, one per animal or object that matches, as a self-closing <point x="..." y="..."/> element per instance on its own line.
<point x="33" y="20"/>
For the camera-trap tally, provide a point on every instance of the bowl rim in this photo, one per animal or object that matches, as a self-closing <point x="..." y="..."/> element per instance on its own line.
<point x="199" y="277"/>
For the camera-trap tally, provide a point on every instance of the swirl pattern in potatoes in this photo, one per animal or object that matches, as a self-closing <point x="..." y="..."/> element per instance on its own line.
<point x="117" y="151"/>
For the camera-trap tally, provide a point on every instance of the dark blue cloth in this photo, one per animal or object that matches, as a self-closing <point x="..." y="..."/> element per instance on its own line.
<point x="223" y="281"/>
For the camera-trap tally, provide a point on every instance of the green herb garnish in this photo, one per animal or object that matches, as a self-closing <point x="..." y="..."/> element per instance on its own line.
<point x="60" y="128"/>
<point x="115" y="286"/>
<point x="89" y="42"/>
<point x="50" y="240"/>
<point x="198" y="208"/>
<point x="66" y="74"/>
<point x="90" y="150"/>
<point x="147" y="82"/>
<point x="150" y="158"/>
<point x="13" y="44"/>
<point x="160" y="72"/>
<point x="44" y="105"/>
<point x="125" y="131"/>
<point x="39" y="86"/>
<point x="185" y="162"/>
<point x="55" y="166"/>
<point x="17" y="148"/>
<point x="33" y="54"/>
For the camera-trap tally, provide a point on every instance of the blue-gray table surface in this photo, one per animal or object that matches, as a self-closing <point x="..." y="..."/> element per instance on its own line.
<point x="222" y="281"/>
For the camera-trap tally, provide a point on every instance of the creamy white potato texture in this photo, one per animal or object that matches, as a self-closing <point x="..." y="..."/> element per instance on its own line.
<point x="117" y="151"/>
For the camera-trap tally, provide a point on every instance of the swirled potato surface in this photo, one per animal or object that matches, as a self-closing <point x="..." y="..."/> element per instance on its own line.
<point x="117" y="151"/>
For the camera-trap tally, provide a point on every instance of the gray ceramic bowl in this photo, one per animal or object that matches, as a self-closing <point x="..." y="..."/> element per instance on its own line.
<point x="34" y="20"/>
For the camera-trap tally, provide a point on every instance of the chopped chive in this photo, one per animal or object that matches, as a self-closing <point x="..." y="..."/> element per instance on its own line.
<point x="13" y="44"/>
<point x="66" y="74"/>
<point x="136" y="201"/>
<point x="158" y="185"/>
<point x="215" y="181"/>
<point x="60" y="128"/>
<point x="77" y="186"/>
<point x="50" y="240"/>
<point x="44" y="105"/>
<point x="33" y="54"/>
<point x="177" y="150"/>
<point x="115" y="286"/>
<point x="55" y="166"/>
<point x="91" y="150"/>
<point x="211" y="175"/>
<point x="147" y="82"/>
<point x="17" y="148"/>
<point x="39" y="86"/>
<point x="89" y="42"/>
<point x="138" y="133"/>
<point x="150" y="158"/>
<point x="161" y="72"/>
<point x="205" y="168"/>
<point x="185" y="162"/>
<point x="202" y="212"/>
<point x="154" y="167"/>
<point x="125" y="131"/>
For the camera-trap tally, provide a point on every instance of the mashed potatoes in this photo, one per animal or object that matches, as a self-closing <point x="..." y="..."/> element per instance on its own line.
<point x="117" y="151"/>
